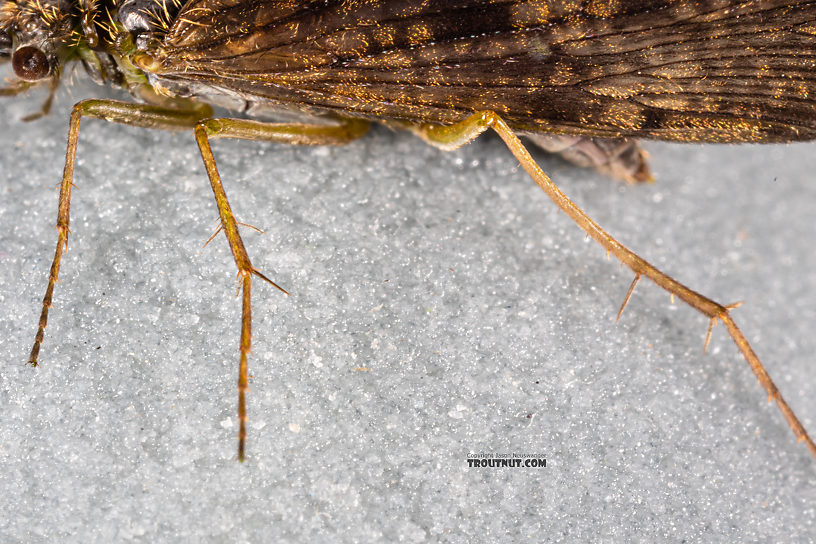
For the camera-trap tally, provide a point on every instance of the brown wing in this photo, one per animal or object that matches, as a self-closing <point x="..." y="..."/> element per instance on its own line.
<point x="703" y="70"/>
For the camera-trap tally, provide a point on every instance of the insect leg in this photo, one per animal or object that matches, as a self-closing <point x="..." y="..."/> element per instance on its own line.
<point x="45" y="109"/>
<point x="453" y="136"/>
<point x="16" y="88"/>
<point x="117" y="112"/>
<point x="255" y="130"/>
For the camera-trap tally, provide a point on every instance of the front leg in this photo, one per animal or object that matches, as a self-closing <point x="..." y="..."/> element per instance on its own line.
<point x="118" y="112"/>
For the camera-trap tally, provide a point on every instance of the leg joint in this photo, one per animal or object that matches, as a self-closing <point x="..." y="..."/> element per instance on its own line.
<point x="487" y="118"/>
<point x="209" y="126"/>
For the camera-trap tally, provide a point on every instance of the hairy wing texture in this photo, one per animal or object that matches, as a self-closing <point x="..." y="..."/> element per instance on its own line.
<point x="704" y="70"/>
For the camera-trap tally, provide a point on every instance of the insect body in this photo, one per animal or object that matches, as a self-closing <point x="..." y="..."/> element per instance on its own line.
<point x="586" y="79"/>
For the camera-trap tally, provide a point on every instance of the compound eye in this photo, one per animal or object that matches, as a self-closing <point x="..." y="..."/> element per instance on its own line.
<point x="30" y="64"/>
